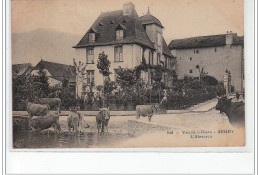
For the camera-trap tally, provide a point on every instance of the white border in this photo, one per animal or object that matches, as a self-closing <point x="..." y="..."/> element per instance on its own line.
<point x="78" y="161"/>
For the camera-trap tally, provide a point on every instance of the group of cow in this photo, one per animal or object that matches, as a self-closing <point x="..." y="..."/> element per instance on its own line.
<point x="40" y="116"/>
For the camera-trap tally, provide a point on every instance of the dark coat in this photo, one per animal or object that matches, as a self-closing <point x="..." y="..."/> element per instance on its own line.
<point x="235" y="111"/>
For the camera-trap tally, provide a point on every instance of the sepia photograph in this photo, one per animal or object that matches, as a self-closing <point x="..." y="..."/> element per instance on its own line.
<point x="127" y="74"/>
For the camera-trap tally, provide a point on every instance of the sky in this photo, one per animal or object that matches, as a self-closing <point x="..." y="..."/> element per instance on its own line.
<point x="180" y="18"/>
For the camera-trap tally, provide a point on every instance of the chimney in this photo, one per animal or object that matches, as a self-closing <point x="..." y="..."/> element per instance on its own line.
<point x="128" y="7"/>
<point x="229" y="38"/>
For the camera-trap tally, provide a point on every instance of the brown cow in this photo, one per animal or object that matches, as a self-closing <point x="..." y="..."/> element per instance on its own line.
<point x="102" y="119"/>
<point x="146" y="110"/>
<point x="54" y="103"/>
<point x="37" y="109"/>
<point x="40" y="123"/>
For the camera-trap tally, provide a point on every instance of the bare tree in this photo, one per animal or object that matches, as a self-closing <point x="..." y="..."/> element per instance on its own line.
<point x="202" y="72"/>
<point x="80" y="74"/>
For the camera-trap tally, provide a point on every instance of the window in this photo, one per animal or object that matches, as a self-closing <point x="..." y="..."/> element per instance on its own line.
<point x="119" y="54"/>
<point x="90" y="56"/>
<point x="119" y="34"/>
<point x="150" y="58"/>
<point x="190" y="58"/>
<point x="90" y="77"/>
<point x="91" y="37"/>
<point x="158" y="59"/>
<point x="159" y="39"/>
<point x="190" y="71"/>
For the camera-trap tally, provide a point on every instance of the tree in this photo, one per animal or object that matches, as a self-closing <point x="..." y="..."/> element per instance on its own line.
<point x="22" y="91"/>
<point x="65" y="81"/>
<point x="126" y="77"/>
<point x="40" y="84"/>
<point x="201" y="72"/>
<point x="103" y="65"/>
<point x="158" y="72"/>
<point x="80" y="74"/>
<point x="210" y="80"/>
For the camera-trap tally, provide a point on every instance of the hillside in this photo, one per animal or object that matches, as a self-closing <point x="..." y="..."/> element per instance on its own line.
<point x="50" y="45"/>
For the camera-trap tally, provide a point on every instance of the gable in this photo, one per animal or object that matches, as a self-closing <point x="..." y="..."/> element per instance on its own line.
<point x="57" y="70"/>
<point x="105" y="28"/>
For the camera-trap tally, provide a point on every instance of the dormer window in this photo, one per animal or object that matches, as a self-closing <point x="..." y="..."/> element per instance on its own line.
<point x="119" y="34"/>
<point x="91" y="37"/>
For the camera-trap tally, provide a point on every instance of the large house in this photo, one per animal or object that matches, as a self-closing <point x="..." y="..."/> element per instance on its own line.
<point x="215" y="53"/>
<point x="126" y="39"/>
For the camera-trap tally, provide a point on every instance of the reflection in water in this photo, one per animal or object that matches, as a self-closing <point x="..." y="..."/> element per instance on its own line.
<point x="65" y="140"/>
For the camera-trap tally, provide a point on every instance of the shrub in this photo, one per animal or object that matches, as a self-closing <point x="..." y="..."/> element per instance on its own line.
<point x="210" y="80"/>
<point x="68" y="98"/>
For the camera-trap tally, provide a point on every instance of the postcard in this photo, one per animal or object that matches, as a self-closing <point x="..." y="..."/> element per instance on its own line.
<point x="127" y="74"/>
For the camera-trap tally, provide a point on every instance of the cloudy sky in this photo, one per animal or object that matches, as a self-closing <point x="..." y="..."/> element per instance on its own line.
<point x="181" y="18"/>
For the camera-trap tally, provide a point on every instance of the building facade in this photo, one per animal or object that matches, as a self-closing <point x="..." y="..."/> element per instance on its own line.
<point x="215" y="54"/>
<point x="126" y="39"/>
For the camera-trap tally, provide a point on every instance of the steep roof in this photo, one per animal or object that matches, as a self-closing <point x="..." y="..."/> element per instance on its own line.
<point x="150" y="19"/>
<point x="57" y="70"/>
<point x="203" y="41"/>
<point x="20" y="69"/>
<point x="106" y="25"/>
<point x="166" y="50"/>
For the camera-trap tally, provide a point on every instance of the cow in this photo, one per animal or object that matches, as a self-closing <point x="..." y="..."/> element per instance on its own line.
<point x="54" y="103"/>
<point x="50" y="120"/>
<point x="146" y="110"/>
<point x="37" y="109"/>
<point x="235" y="111"/>
<point x="102" y="119"/>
